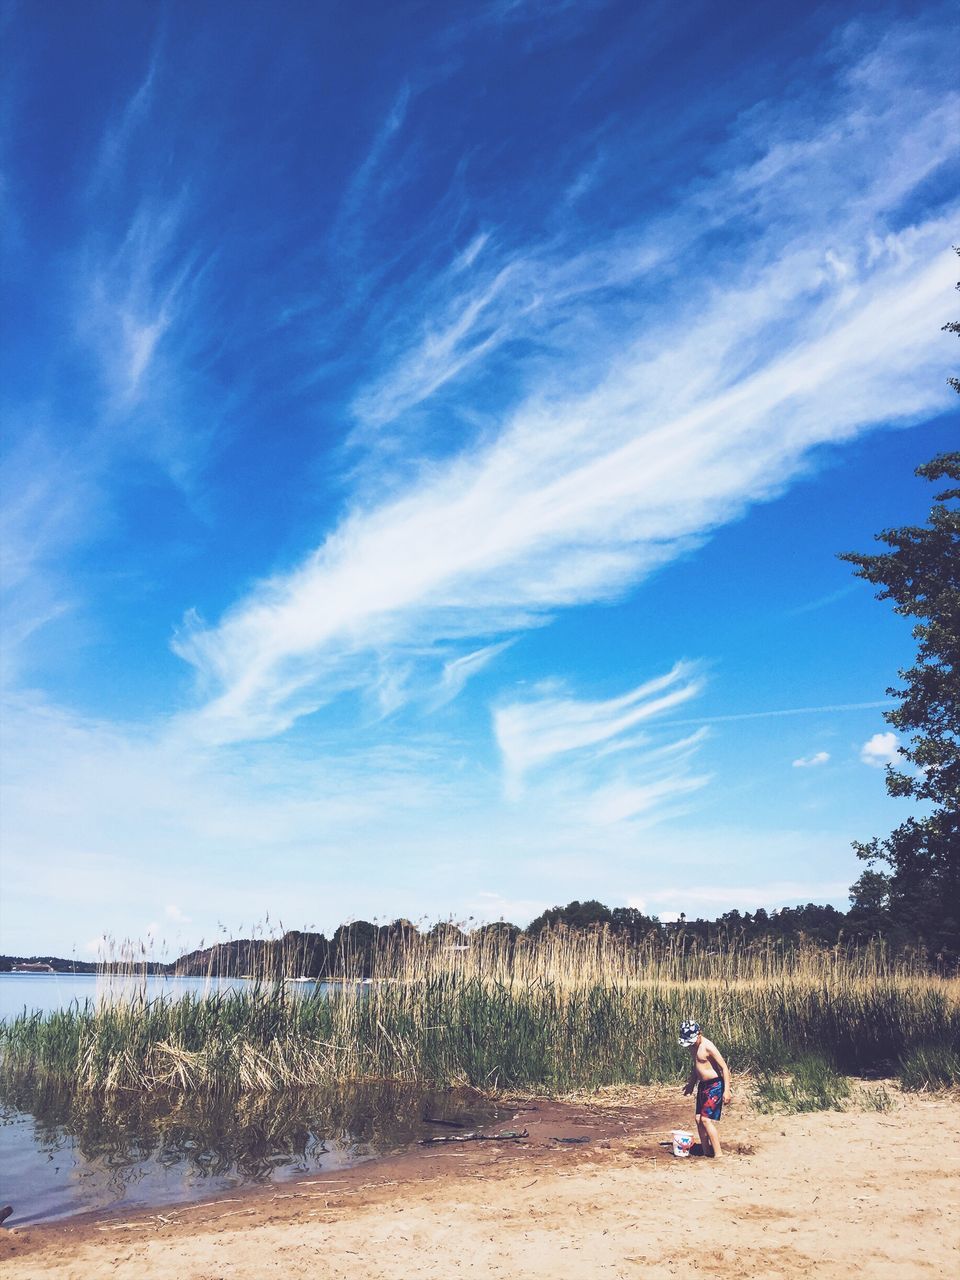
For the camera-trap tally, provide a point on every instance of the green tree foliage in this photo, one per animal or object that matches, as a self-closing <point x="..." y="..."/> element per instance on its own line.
<point x="920" y="574"/>
<point x="353" y="945"/>
<point x="501" y="930"/>
<point x="575" y="915"/>
<point x="632" y="921"/>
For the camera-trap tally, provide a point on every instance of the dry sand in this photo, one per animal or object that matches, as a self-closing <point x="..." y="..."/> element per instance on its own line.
<point x="823" y="1195"/>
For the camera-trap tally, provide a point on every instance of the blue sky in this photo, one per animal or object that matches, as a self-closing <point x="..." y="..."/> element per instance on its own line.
<point x="428" y="435"/>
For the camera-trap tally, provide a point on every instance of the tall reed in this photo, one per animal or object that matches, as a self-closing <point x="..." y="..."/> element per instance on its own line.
<point x="562" y="1011"/>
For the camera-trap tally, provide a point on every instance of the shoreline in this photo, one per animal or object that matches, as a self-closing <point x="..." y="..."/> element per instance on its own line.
<point x="827" y="1194"/>
<point x="553" y="1125"/>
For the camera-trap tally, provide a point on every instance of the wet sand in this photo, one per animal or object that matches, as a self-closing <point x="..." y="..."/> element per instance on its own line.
<point x="874" y="1195"/>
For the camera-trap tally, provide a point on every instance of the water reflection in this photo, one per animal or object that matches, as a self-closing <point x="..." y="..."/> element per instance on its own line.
<point x="64" y="1155"/>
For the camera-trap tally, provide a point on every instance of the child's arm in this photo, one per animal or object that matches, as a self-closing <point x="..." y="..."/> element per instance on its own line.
<point x="716" y="1057"/>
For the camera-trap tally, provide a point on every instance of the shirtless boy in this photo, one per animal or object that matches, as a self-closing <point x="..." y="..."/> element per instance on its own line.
<point x="710" y="1076"/>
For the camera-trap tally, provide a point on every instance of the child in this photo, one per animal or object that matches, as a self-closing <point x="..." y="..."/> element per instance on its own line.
<point x="711" y="1077"/>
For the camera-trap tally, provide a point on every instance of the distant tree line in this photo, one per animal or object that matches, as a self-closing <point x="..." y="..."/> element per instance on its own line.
<point x="73" y="965"/>
<point x="316" y="956"/>
<point x="313" y="955"/>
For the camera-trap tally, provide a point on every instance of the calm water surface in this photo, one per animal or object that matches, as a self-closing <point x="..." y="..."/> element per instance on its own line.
<point x="60" y="1157"/>
<point x="50" y="991"/>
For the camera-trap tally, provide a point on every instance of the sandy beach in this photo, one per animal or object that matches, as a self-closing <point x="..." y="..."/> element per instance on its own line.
<point x="827" y="1194"/>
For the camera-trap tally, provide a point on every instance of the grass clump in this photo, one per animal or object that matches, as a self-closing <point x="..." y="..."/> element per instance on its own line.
<point x="875" y="1099"/>
<point x="811" y="1085"/>
<point x="930" y="1066"/>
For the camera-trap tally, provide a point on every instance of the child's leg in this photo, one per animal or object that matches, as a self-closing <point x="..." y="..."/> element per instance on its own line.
<point x="709" y="1134"/>
<point x="704" y="1140"/>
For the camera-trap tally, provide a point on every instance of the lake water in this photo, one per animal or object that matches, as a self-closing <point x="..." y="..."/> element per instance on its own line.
<point x="60" y="1156"/>
<point x="50" y="991"/>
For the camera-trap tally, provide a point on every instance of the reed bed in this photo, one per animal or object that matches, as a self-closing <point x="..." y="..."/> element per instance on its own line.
<point x="561" y="1012"/>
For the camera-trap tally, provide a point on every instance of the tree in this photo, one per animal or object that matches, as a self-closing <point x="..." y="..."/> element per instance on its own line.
<point x="575" y="915"/>
<point x="869" y="915"/>
<point x="921" y="575"/>
<point x="633" y="922"/>
<point x="352" y="948"/>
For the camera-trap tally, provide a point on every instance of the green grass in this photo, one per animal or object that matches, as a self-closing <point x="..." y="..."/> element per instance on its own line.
<point x="930" y="1066"/>
<point x="810" y="1085"/>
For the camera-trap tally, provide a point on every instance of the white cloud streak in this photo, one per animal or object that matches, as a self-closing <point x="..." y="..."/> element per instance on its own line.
<point x="530" y="734"/>
<point x="46" y="508"/>
<point x="585" y="761"/>
<point x="656" y="435"/>
<point x="813" y="761"/>
<point x="458" y="671"/>
<point x="830" y="708"/>
<point x="133" y="302"/>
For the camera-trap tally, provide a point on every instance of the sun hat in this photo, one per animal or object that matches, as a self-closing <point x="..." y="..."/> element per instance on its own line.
<point x="689" y="1031"/>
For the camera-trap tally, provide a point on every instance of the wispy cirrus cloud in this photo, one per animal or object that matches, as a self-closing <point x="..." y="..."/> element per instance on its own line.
<point x="575" y="501"/>
<point x="458" y="671"/>
<point x="130" y="298"/>
<point x="370" y="182"/>
<point x="120" y="134"/>
<point x="830" y="708"/>
<point x="136" y="300"/>
<point x="683" y="408"/>
<point x="822" y="602"/>
<point x="119" y="397"/>
<point x="132" y="280"/>
<point x="532" y="733"/>
<point x="591" y="760"/>
<point x="418" y="824"/>
<point x="50" y="503"/>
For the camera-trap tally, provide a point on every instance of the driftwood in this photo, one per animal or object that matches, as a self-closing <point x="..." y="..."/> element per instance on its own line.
<point x="505" y="1135"/>
<point x="451" y="1124"/>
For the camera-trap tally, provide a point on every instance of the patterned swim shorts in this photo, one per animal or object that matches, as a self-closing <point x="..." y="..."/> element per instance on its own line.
<point x="710" y="1099"/>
